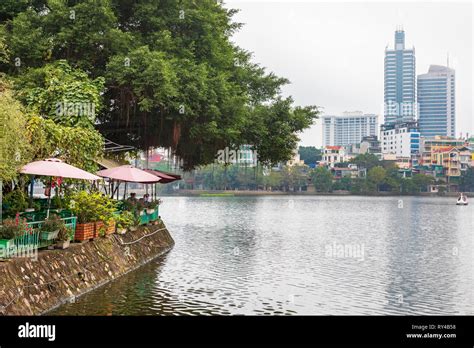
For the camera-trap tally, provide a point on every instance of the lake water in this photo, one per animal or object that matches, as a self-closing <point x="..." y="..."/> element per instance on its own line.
<point x="318" y="255"/>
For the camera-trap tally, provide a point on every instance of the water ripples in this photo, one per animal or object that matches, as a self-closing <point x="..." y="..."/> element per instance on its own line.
<point x="279" y="256"/>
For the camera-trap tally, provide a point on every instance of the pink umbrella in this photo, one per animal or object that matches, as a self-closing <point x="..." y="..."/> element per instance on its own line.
<point x="56" y="167"/>
<point x="129" y="173"/>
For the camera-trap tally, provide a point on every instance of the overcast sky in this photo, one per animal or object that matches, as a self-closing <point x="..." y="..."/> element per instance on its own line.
<point x="333" y="52"/>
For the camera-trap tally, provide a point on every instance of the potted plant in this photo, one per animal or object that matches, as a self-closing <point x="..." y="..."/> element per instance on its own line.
<point x="51" y="227"/>
<point x="135" y="222"/>
<point x="110" y="225"/>
<point x="124" y="221"/>
<point x="82" y="206"/>
<point x="150" y="209"/>
<point x="9" y="230"/>
<point x="91" y="209"/>
<point x="64" y="238"/>
<point x="140" y="206"/>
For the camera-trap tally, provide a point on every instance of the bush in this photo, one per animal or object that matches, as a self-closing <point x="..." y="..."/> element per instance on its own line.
<point x="53" y="223"/>
<point x="12" y="228"/>
<point x="64" y="234"/>
<point x="153" y="204"/>
<point x="125" y="219"/>
<point x="15" y="202"/>
<point x="92" y="207"/>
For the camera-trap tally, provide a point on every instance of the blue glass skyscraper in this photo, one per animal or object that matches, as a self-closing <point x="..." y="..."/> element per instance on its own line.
<point x="399" y="82"/>
<point x="436" y="102"/>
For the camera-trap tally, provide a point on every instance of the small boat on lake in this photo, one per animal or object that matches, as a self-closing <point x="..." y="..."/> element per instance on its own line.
<point x="462" y="200"/>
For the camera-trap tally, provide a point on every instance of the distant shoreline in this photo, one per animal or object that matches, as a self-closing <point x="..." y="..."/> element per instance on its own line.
<point x="231" y="193"/>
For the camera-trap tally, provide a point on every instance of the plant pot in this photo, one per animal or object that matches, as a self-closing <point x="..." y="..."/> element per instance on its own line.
<point x="150" y="211"/>
<point x="142" y="213"/>
<point x="63" y="244"/>
<point x="49" y="235"/>
<point x="84" y="231"/>
<point x="97" y="227"/>
<point x="110" y="228"/>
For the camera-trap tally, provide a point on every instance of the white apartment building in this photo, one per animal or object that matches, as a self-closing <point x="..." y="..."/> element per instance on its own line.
<point x="400" y="140"/>
<point x="348" y="128"/>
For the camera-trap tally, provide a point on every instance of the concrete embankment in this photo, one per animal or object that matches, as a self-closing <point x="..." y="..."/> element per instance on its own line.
<point x="33" y="286"/>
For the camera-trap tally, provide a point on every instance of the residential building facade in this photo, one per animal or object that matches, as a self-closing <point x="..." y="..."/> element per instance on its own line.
<point x="401" y="140"/>
<point x="436" y="102"/>
<point x="427" y="145"/>
<point x="333" y="154"/>
<point x="348" y="128"/>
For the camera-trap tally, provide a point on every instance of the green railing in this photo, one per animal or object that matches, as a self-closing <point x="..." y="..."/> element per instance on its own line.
<point x="147" y="218"/>
<point x="31" y="239"/>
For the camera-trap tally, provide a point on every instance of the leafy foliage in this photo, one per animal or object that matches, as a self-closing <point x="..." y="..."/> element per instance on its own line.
<point x="61" y="93"/>
<point x="76" y="146"/>
<point x="309" y="154"/>
<point x="15" y="202"/>
<point x="92" y="207"/>
<point x="12" y="228"/>
<point x="15" y="150"/>
<point x="173" y="77"/>
<point x="322" y="179"/>
<point x="53" y="223"/>
<point x="467" y="180"/>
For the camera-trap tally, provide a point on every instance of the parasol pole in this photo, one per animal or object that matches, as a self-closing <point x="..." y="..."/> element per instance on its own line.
<point x="49" y="197"/>
<point x="31" y="191"/>
<point x="1" y="199"/>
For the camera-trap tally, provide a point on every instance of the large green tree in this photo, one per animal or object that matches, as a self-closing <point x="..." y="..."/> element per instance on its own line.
<point x="66" y="95"/>
<point x="376" y="176"/>
<point x="15" y="149"/>
<point x="467" y="180"/>
<point x="322" y="179"/>
<point x="173" y="76"/>
<point x="309" y="154"/>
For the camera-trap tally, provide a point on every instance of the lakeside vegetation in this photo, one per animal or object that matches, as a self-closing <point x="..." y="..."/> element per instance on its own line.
<point x="146" y="74"/>
<point x="381" y="177"/>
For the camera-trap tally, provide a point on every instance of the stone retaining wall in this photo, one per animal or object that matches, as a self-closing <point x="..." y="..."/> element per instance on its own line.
<point x="32" y="287"/>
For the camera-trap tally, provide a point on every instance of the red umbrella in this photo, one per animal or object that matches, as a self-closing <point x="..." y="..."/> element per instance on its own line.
<point x="165" y="177"/>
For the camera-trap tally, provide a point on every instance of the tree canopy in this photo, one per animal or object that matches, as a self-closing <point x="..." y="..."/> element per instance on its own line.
<point x="309" y="154"/>
<point x="162" y="73"/>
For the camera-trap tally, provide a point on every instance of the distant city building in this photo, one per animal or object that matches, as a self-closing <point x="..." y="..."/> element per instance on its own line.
<point x="333" y="154"/>
<point x="368" y="144"/>
<point x="436" y="102"/>
<point x="399" y="82"/>
<point x="295" y="160"/>
<point x="449" y="159"/>
<point x="348" y="128"/>
<point x="351" y="171"/>
<point x="427" y="145"/>
<point x="400" y="139"/>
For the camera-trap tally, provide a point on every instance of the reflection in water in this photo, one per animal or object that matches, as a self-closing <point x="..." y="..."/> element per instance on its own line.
<point x="269" y="255"/>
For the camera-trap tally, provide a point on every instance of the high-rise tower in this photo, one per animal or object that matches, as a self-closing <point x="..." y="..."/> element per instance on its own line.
<point x="399" y="82"/>
<point x="436" y="99"/>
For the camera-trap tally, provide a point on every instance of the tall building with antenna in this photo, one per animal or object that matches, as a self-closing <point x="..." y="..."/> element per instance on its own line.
<point x="399" y="82"/>
<point x="437" y="103"/>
